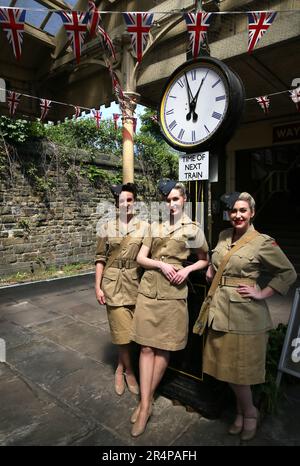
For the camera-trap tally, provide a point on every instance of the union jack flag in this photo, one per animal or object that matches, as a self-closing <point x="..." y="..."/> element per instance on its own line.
<point x="77" y="111"/>
<point x="97" y="116"/>
<point x="12" y="22"/>
<point x="75" y="24"/>
<point x="138" y="26"/>
<point x="116" y="117"/>
<point x="154" y="118"/>
<point x="197" y="25"/>
<point x="295" y="96"/>
<point x="95" y="27"/>
<point x="13" y="99"/>
<point x="45" y="106"/>
<point x="258" y="24"/>
<point x="264" y="102"/>
<point x="116" y="85"/>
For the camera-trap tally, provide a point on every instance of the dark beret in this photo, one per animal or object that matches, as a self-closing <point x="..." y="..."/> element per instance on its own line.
<point x="166" y="186"/>
<point x="116" y="189"/>
<point x="229" y="199"/>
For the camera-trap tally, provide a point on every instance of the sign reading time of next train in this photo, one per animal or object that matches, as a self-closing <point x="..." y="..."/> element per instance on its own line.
<point x="194" y="167"/>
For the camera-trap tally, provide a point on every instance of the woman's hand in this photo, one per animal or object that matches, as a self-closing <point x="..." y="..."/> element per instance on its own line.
<point x="180" y="276"/>
<point x="100" y="295"/>
<point x="247" y="291"/>
<point x="168" y="270"/>
<point x="210" y="273"/>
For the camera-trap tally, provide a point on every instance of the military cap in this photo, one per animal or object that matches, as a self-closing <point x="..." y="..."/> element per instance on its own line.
<point x="166" y="186"/>
<point x="116" y="189"/>
<point x="229" y="199"/>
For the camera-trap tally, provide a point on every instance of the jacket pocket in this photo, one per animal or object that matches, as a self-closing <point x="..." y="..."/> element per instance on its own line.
<point x="147" y="286"/>
<point x="247" y="316"/>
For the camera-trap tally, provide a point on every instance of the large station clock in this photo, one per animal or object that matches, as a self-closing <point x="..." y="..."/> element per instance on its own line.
<point x="201" y="105"/>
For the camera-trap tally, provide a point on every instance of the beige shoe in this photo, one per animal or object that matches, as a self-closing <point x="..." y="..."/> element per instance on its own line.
<point x="119" y="383"/>
<point x="249" y="434"/>
<point x="234" y="429"/>
<point x="140" y="425"/>
<point x="133" y="388"/>
<point x="136" y="412"/>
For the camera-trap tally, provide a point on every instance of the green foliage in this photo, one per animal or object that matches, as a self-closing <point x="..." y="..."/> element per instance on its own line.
<point x="156" y="159"/>
<point x="149" y="126"/>
<point x="268" y="394"/>
<point x="24" y="224"/>
<point x="83" y="134"/>
<point x="17" y="131"/>
<point x="38" y="178"/>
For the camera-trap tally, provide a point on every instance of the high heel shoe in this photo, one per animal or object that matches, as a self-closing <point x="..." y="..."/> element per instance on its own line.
<point x="119" y="383"/>
<point x="133" y="388"/>
<point x="136" y="412"/>
<point x="249" y="434"/>
<point x="140" y="424"/>
<point x="234" y="429"/>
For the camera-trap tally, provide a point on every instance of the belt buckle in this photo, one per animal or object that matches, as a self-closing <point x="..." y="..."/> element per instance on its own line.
<point x="120" y="263"/>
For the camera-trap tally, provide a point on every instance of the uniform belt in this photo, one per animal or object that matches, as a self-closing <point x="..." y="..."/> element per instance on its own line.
<point x="124" y="264"/>
<point x="235" y="281"/>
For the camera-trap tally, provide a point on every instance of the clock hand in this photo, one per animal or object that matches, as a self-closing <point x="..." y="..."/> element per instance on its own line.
<point x="190" y="98"/>
<point x="195" y="98"/>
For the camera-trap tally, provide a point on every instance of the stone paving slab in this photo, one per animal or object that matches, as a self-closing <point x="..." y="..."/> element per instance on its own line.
<point x="57" y="387"/>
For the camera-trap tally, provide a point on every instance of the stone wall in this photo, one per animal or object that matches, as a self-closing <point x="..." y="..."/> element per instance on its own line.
<point x="40" y="228"/>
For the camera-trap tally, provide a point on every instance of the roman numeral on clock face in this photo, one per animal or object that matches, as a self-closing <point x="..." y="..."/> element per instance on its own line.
<point x="181" y="133"/>
<point x="173" y="124"/>
<point x="216" y="115"/>
<point x="170" y="112"/>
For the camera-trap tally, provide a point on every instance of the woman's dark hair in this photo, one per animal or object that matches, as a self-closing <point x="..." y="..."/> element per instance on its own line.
<point x="129" y="187"/>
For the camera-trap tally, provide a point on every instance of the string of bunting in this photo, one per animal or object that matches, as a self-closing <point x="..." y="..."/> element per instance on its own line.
<point x="138" y="24"/>
<point x="13" y="99"/>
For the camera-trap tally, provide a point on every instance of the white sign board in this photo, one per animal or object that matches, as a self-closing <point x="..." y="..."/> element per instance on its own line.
<point x="194" y="166"/>
<point x="290" y="355"/>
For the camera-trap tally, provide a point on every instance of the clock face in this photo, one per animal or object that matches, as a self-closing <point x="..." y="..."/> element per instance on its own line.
<point x="194" y="105"/>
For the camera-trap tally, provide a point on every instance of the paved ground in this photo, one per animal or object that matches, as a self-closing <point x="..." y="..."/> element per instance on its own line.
<point x="56" y="387"/>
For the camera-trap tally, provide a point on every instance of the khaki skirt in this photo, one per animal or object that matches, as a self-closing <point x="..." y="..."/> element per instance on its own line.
<point x="120" y="323"/>
<point x="234" y="358"/>
<point x="160" y="323"/>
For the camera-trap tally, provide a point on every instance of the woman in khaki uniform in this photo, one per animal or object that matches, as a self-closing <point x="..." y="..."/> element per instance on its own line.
<point x="117" y="279"/>
<point x="160" y="323"/>
<point x="238" y="321"/>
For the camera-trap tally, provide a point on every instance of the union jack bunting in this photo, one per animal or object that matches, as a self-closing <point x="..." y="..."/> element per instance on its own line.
<point x="258" y="24"/>
<point x="94" y="18"/>
<point x="295" y="96"/>
<point x="116" y="85"/>
<point x="116" y="117"/>
<point x="12" y="22"/>
<point x="197" y="25"/>
<point x="77" y="111"/>
<point x="138" y="26"/>
<point x="97" y="116"/>
<point x="264" y="102"/>
<point x="13" y="99"/>
<point x="75" y="24"/>
<point x="45" y="106"/>
<point x="154" y="118"/>
<point x="107" y="42"/>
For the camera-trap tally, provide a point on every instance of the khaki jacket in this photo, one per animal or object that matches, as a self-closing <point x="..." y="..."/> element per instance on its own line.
<point x="229" y="311"/>
<point x="120" y="281"/>
<point x="172" y="244"/>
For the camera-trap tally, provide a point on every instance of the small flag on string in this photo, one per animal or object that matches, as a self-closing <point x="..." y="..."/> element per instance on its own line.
<point x="94" y="18"/>
<point x="295" y="96"/>
<point x="116" y="117"/>
<point x="13" y="99"/>
<point x="45" y="106"/>
<point x="97" y="116"/>
<point x="77" y="111"/>
<point x="154" y="118"/>
<point x="138" y="26"/>
<point x="75" y="24"/>
<point x="258" y="24"/>
<point x="197" y="25"/>
<point x="264" y="102"/>
<point x="12" y="22"/>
